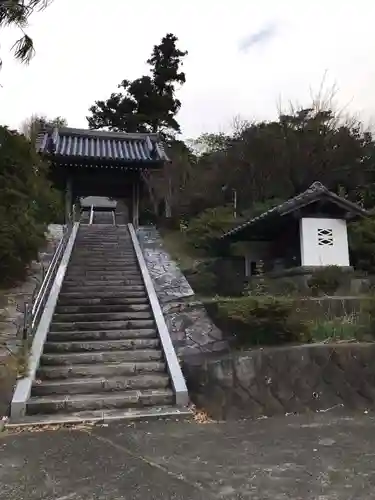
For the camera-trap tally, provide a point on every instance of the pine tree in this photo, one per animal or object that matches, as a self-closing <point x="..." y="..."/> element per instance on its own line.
<point x="16" y="13"/>
<point x="149" y="103"/>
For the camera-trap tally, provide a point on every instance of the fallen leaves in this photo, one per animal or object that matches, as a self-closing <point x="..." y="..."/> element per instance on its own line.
<point x="53" y="427"/>
<point x="201" y="416"/>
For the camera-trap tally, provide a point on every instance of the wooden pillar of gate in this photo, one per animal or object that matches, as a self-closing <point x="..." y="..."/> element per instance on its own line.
<point x="68" y="199"/>
<point x="135" y="203"/>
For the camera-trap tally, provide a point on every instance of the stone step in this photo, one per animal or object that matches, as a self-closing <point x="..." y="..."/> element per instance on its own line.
<point x="120" y="249"/>
<point x="99" y="275"/>
<point x="103" y="229"/>
<point x="101" y="308"/>
<point x="103" y="268"/>
<point x="100" y="345"/>
<point x="99" y="401"/>
<point x="100" y="248"/>
<point x="111" y="258"/>
<point x="96" y="357"/>
<point x="95" y="290"/>
<point x="101" y="316"/>
<point x="104" y="261"/>
<point x="77" y="281"/>
<point x="104" y="416"/>
<point x="110" y="370"/>
<point x="103" y="335"/>
<point x="103" y="241"/>
<point x="103" y="245"/>
<point x="98" y="230"/>
<point x="105" y="237"/>
<point x="117" y="253"/>
<point x="134" y="324"/>
<point x="100" y="384"/>
<point x="131" y="302"/>
<point x="105" y="294"/>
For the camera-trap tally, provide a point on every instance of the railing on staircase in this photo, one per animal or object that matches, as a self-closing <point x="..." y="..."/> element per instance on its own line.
<point x="173" y="365"/>
<point x="34" y="308"/>
<point x="91" y="214"/>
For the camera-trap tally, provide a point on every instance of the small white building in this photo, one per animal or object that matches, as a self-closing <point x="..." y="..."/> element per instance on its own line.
<point x="307" y="231"/>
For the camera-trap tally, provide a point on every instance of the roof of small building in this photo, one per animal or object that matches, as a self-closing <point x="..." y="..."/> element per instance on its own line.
<point x="317" y="191"/>
<point x="94" y="145"/>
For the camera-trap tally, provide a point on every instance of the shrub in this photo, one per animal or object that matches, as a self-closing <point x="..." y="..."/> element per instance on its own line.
<point x="208" y="225"/>
<point x="326" y="280"/>
<point x="260" y="285"/>
<point x="286" y="286"/>
<point x="217" y="276"/>
<point x="202" y="279"/>
<point x="362" y="243"/>
<point x="368" y="311"/>
<point x="255" y="320"/>
<point x="27" y="204"/>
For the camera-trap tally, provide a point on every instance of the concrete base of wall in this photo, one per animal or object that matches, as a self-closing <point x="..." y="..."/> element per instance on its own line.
<point x="265" y="382"/>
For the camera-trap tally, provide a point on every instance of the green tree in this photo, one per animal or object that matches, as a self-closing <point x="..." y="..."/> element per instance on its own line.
<point x="281" y="158"/>
<point x="149" y="103"/>
<point x="16" y="13"/>
<point x="27" y="204"/>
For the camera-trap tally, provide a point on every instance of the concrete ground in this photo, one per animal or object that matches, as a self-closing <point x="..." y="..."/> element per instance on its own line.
<point x="318" y="456"/>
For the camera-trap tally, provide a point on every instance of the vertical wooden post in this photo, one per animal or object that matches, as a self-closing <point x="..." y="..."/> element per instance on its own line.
<point x="135" y="207"/>
<point x="68" y="199"/>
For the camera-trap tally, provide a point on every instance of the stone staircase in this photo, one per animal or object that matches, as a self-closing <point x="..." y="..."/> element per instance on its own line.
<point x="85" y="217"/>
<point x="102" y="351"/>
<point x="103" y="217"/>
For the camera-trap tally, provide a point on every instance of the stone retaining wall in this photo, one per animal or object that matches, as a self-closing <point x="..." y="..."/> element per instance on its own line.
<point x="191" y="329"/>
<point x="270" y="381"/>
<point x="12" y="303"/>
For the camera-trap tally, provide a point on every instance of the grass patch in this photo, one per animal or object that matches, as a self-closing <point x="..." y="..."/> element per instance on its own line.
<point x="347" y="328"/>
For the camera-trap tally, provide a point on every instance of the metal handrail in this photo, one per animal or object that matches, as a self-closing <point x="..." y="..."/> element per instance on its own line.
<point x="33" y="309"/>
<point x="91" y="214"/>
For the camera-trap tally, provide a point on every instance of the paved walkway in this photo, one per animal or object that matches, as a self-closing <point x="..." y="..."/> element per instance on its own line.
<point x="320" y="457"/>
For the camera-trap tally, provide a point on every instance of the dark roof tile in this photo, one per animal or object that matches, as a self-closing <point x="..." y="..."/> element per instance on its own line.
<point x="315" y="192"/>
<point x="98" y="145"/>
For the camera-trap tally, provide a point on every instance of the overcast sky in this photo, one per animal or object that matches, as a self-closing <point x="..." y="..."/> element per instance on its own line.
<point x="244" y="56"/>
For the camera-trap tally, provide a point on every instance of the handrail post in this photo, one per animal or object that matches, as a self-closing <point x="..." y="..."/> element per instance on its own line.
<point x="25" y="329"/>
<point x="91" y="214"/>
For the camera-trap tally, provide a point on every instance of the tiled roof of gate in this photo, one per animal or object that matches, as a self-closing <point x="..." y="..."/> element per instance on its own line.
<point x="314" y="193"/>
<point x="71" y="143"/>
